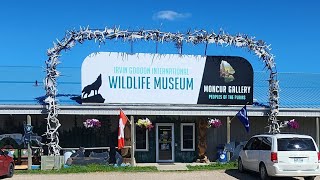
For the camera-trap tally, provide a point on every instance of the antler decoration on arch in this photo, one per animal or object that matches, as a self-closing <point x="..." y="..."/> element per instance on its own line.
<point x="196" y="37"/>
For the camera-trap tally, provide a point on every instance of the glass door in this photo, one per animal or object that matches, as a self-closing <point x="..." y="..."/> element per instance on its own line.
<point x="165" y="142"/>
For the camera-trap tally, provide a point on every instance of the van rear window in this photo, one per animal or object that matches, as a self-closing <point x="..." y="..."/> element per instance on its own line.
<point x="296" y="144"/>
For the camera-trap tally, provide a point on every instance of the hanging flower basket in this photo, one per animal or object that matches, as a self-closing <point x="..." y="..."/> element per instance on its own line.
<point x="293" y="124"/>
<point x="214" y="123"/>
<point x="145" y="123"/>
<point x="92" y="123"/>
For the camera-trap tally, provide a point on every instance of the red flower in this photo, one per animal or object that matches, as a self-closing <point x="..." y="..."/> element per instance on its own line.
<point x="91" y="123"/>
<point x="293" y="124"/>
<point x="215" y="123"/>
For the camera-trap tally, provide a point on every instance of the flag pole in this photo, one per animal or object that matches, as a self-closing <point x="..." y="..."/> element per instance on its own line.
<point x="233" y="116"/>
<point x="229" y="130"/>
<point x="125" y="115"/>
<point x="237" y="112"/>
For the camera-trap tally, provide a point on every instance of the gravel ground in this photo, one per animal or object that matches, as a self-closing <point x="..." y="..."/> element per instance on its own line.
<point x="183" y="175"/>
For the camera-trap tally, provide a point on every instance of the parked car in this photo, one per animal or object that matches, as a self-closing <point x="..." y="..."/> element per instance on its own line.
<point x="6" y="164"/>
<point x="281" y="155"/>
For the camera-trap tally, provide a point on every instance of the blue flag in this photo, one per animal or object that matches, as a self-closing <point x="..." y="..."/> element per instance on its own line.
<point x="243" y="117"/>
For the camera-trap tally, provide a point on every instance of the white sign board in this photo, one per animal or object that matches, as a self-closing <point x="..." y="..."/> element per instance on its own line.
<point x="109" y="77"/>
<point x="141" y="78"/>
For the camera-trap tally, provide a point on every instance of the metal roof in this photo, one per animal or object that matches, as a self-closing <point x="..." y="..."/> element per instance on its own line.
<point x="297" y="90"/>
<point x="18" y="86"/>
<point x="157" y="109"/>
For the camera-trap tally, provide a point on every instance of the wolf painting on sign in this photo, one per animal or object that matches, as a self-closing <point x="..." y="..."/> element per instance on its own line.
<point x="94" y="86"/>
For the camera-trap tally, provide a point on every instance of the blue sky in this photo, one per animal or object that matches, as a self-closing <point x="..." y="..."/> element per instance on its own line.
<point x="28" y="29"/>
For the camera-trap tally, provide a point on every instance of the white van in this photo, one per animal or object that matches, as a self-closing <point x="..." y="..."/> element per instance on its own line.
<point x="284" y="155"/>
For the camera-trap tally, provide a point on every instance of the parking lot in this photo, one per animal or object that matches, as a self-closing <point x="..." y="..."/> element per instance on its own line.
<point x="179" y="175"/>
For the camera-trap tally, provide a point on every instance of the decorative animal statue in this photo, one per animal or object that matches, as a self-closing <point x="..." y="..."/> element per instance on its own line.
<point x="94" y="86"/>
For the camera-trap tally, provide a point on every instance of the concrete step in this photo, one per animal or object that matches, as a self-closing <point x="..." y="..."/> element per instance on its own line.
<point x="171" y="166"/>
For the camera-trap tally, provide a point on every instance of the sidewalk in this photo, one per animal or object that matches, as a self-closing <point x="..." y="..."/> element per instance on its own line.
<point x="171" y="166"/>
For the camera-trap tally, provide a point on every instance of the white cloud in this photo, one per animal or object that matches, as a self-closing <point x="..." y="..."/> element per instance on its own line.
<point x="170" y="15"/>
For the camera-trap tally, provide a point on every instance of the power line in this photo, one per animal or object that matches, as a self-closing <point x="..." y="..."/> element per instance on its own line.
<point x="25" y="66"/>
<point x="33" y="82"/>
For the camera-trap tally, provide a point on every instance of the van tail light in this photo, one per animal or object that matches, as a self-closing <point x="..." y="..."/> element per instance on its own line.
<point x="274" y="157"/>
<point x="318" y="156"/>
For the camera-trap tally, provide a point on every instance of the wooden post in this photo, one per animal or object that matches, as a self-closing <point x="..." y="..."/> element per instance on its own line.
<point x="317" y="132"/>
<point x="228" y="135"/>
<point x="133" y="142"/>
<point x="202" y="141"/>
<point x="29" y="148"/>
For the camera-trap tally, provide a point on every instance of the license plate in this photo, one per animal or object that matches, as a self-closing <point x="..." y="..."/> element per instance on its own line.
<point x="297" y="160"/>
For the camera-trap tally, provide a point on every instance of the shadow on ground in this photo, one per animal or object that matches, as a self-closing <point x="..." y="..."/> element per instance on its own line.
<point x="249" y="175"/>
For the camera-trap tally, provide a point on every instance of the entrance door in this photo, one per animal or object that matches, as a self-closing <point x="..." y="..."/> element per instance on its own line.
<point x="165" y="142"/>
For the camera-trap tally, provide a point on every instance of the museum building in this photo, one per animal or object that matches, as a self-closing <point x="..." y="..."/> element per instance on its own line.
<point x="178" y="94"/>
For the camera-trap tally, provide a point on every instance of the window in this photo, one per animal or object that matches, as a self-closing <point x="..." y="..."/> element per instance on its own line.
<point x="255" y="144"/>
<point x="187" y="137"/>
<point x="248" y="145"/>
<point x="265" y="143"/>
<point x="296" y="144"/>
<point x="142" y="140"/>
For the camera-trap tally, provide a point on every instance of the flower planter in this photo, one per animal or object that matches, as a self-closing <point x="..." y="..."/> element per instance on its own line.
<point x="214" y="123"/>
<point x="145" y="123"/>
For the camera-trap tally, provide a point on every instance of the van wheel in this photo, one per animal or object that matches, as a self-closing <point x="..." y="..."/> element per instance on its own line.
<point x="310" y="178"/>
<point x="10" y="170"/>
<point x="240" y="166"/>
<point x="263" y="172"/>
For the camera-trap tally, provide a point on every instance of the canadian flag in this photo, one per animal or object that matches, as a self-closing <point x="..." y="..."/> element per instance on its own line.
<point x="122" y="123"/>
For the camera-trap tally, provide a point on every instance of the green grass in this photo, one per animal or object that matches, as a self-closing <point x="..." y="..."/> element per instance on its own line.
<point x="213" y="166"/>
<point x="89" y="168"/>
<point x="102" y="168"/>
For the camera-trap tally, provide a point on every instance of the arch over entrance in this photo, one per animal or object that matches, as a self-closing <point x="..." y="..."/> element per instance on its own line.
<point x="258" y="47"/>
